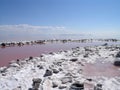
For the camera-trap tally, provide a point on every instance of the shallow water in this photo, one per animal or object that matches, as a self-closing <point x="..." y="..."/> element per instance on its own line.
<point x="13" y="53"/>
<point x="106" y="69"/>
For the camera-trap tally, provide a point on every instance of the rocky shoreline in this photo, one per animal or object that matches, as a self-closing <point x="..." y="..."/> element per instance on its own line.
<point x="60" y="71"/>
<point x="22" y="43"/>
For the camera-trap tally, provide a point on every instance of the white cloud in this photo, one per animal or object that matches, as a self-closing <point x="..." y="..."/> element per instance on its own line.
<point x="34" y="29"/>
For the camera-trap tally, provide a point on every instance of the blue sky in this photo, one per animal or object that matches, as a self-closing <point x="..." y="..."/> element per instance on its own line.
<point x="76" y="16"/>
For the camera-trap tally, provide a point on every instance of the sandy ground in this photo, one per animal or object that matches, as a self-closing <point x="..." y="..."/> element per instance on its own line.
<point x="58" y="71"/>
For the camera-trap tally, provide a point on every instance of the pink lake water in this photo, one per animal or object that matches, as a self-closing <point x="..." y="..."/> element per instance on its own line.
<point x="13" y="53"/>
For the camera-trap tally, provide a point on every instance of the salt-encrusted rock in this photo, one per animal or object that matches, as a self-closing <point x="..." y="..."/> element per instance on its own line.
<point x="55" y="71"/>
<point x="117" y="62"/>
<point x="118" y="55"/>
<point x="98" y="87"/>
<point x="65" y="80"/>
<point x="105" y="44"/>
<point x="18" y="88"/>
<point x="74" y="59"/>
<point x="77" y="86"/>
<point x="85" y="56"/>
<point x="40" y="66"/>
<point x="30" y="58"/>
<point x="48" y="73"/>
<point x="51" y="53"/>
<point x="58" y="63"/>
<point x="14" y="65"/>
<point x="3" y="69"/>
<point x="60" y="69"/>
<point x="36" y="83"/>
<point x="62" y="86"/>
<point x="89" y="79"/>
<point x="54" y="84"/>
<point x="3" y="44"/>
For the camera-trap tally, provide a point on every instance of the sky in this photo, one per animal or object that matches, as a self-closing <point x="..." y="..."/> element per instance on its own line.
<point x="98" y="18"/>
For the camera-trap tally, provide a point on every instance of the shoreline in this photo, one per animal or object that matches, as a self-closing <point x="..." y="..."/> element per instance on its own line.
<point x="64" y="67"/>
<point x="22" y="43"/>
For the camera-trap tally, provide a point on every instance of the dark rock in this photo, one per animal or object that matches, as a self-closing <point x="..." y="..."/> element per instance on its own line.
<point x="55" y="71"/>
<point x="65" y="80"/>
<point x="36" y="83"/>
<point x="105" y="44"/>
<point x="98" y="87"/>
<point x="48" y="73"/>
<point x="62" y="86"/>
<point x="51" y="53"/>
<point x="118" y="55"/>
<point x="3" y="70"/>
<point x="30" y="57"/>
<point x="60" y="69"/>
<point x="117" y="62"/>
<point x="54" y="84"/>
<point x="77" y="86"/>
<point x="3" y="74"/>
<point x="85" y="56"/>
<point x="89" y="80"/>
<point x="74" y="59"/>
<point x="3" y="44"/>
<point x="40" y="66"/>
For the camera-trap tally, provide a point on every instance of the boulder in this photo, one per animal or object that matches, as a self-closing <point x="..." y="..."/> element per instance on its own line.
<point x="48" y="73"/>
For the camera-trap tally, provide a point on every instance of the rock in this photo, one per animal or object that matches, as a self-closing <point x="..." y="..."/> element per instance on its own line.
<point x="36" y="83"/>
<point x="30" y="57"/>
<point x="40" y="66"/>
<point x="55" y="71"/>
<point x="85" y="56"/>
<point x="117" y="62"/>
<point x="74" y="59"/>
<point x="3" y="69"/>
<point x="3" y="44"/>
<point x="62" y="86"/>
<point x="77" y="86"/>
<point x="48" y="73"/>
<point x="14" y="65"/>
<point x="65" y="80"/>
<point x="105" y="44"/>
<point x="118" y="55"/>
<point x="18" y="88"/>
<point x="54" y="84"/>
<point x="89" y="79"/>
<point x="98" y="87"/>
<point x="60" y="69"/>
<point x="18" y="61"/>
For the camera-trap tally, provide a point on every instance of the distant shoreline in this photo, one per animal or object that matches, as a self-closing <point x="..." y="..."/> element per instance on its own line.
<point x="22" y="43"/>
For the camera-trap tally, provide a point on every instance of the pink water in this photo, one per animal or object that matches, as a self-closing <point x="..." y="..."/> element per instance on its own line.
<point x="101" y="69"/>
<point x="14" y="53"/>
